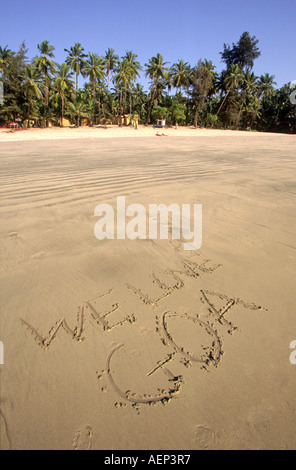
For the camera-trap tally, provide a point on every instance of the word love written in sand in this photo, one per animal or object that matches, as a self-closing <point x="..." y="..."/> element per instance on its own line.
<point x="209" y="355"/>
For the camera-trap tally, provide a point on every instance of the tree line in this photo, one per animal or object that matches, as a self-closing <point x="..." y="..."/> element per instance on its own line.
<point x="43" y="91"/>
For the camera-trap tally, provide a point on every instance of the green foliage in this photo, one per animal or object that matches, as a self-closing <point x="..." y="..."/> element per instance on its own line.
<point x="236" y="98"/>
<point x="159" y="112"/>
<point x="243" y="53"/>
<point x="12" y="77"/>
<point x="178" y="112"/>
<point x="211" y="120"/>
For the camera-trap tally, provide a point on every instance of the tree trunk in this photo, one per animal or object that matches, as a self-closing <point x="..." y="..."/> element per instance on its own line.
<point x="223" y="102"/>
<point x="120" y="106"/>
<point x="62" y="124"/>
<point x="94" y="94"/>
<point x="46" y="96"/>
<point x="46" y="103"/>
<point x="150" y="108"/>
<point x="29" y="110"/>
<point x="195" y="117"/>
<point x="125" y="99"/>
<point x="130" y="100"/>
<point x="29" y="117"/>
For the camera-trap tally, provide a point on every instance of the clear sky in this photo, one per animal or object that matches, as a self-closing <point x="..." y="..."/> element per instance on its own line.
<point x="178" y="29"/>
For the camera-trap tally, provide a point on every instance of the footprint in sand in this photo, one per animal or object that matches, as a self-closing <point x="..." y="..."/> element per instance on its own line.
<point x="83" y="439"/>
<point x="205" y="437"/>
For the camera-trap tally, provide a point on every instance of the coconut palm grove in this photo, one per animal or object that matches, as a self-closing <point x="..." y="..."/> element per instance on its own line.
<point x="41" y="93"/>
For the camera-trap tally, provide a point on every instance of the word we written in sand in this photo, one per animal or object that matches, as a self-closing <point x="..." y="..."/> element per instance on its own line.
<point x="210" y="354"/>
<point x="189" y="269"/>
<point x="136" y="228"/>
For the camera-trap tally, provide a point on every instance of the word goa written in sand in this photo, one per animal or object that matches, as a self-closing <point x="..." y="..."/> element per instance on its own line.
<point x="179" y="217"/>
<point x="293" y="354"/>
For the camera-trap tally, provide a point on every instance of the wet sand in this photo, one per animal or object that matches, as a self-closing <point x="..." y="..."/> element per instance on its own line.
<point x="120" y="344"/>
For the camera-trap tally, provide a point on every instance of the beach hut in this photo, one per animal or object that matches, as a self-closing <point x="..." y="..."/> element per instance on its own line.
<point x="123" y="120"/>
<point x="135" y="120"/>
<point x="29" y="123"/>
<point x="160" y="123"/>
<point x="43" y="123"/>
<point x="118" y="120"/>
<point x="65" y="122"/>
<point x="127" y="119"/>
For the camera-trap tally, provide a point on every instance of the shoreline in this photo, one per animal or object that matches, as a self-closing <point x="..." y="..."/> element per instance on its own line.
<point x="99" y="132"/>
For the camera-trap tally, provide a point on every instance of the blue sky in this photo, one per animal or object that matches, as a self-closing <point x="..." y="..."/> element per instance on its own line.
<point x="188" y="29"/>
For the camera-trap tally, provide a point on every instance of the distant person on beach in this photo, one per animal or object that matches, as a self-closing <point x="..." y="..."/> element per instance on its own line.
<point x="160" y="135"/>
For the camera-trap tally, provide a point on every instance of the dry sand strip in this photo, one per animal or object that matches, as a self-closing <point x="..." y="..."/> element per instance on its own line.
<point x="120" y="344"/>
<point x="114" y="132"/>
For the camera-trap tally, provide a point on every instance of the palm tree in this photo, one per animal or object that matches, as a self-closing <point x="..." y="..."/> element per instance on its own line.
<point x="134" y="69"/>
<point x="249" y="83"/>
<point x="63" y="84"/>
<point x="32" y="86"/>
<point x="46" y="65"/>
<point x="140" y="99"/>
<point x="252" y="110"/>
<point x="266" y="85"/>
<point x="122" y="79"/>
<point x="156" y="71"/>
<point x="134" y="64"/>
<point x="113" y="102"/>
<point x="79" y="109"/>
<point x="202" y="86"/>
<point x="180" y="73"/>
<point x="76" y="60"/>
<point x="249" y="88"/>
<point x="231" y="80"/>
<point x="5" y="54"/>
<point x="94" y="69"/>
<point x="111" y="61"/>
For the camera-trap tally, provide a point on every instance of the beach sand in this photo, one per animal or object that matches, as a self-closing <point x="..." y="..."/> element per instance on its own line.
<point x="102" y="132"/>
<point x="122" y="344"/>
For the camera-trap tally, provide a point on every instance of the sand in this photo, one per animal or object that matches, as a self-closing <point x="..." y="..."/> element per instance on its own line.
<point x="122" y="344"/>
<point x="102" y="132"/>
